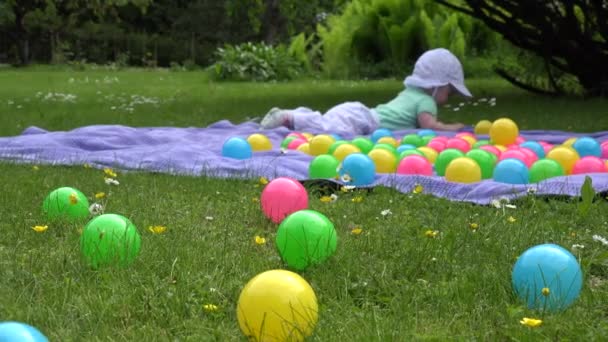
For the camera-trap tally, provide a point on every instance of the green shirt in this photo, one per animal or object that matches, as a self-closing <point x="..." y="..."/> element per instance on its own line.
<point x="402" y="112"/>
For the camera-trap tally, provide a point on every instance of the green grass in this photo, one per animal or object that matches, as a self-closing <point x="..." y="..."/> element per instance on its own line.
<point x="391" y="283"/>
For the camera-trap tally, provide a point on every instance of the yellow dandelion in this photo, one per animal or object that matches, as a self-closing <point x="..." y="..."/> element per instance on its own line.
<point x="40" y="229"/>
<point x="210" y="307"/>
<point x="35" y="168"/>
<point x="260" y="240"/>
<point x="73" y="199"/>
<point x="473" y="226"/>
<point x="109" y="172"/>
<point x="511" y="219"/>
<point x="356" y="231"/>
<point x="546" y="291"/>
<point x="531" y="322"/>
<point x="263" y="180"/>
<point x="573" y="234"/>
<point x="325" y="199"/>
<point x="431" y="233"/>
<point x="418" y="189"/>
<point x="357" y="199"/>
<point x="255" y="200"/>
<point x="157" y="229"/>
<point x="345" y="188"/>
<point x="100" y="195"/>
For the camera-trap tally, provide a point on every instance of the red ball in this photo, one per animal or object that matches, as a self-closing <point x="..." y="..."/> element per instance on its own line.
<point x="283" y="196"/>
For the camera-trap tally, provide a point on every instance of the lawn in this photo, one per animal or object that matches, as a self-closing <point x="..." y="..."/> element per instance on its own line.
<point x="392" y="282"/>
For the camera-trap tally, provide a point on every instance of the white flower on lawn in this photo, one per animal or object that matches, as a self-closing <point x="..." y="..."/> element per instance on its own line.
<point x="577" y="246"/>
<point x="601" y="239"/>
<point x="349" y="187"/>
<point x="96" y="209"/>
<point x="111" y="181"/>
<point x="333" y="197"/>
<point x="461" y="104"/>
<point x="456" y="109"/>
<point x="532" y="190"/>
<point x="483" y="99"/>
<point x="386" y="212"/>
<point x="502" y="202"/>
<point x="209" y="218"/>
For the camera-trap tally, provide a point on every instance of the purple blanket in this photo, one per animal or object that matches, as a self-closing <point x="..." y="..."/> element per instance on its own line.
<point x="197" y="151"/>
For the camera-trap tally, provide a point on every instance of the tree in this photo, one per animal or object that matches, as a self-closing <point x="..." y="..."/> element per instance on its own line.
<point x="571" y="36"/>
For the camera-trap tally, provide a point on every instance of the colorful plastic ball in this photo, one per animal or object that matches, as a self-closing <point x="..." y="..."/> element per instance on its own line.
<point x="320" y="144"/>
<point x="388" y="140"/>
<point x="480" y="143"/>
<point x="410" y="153"/>
<point x="294" y="144"/>
<point x="324" y="166"/>
<point x="429" y="153"/>
<point x="513" y="154"/>
<point x="336" y="137"/>
<point x="604" y="148"/>
<point x="277" y="305"/>
<point x="441" y="138"/>
<point x="520" y="140"/>
<point x="412" y="139"/>
<point x="297" y="135"/>
<point x="436" y="145"/>
<point x="426" y="139"/>
<point x="20" y="332"/>
<point x="405" y="147"/>
<point x="379" y="133"/>
<point x="308" y="136"/>
<point x="259" y="142"/>
<point x="386" y="147"/>
<point x="569" y="142"/>
<point x="306" y="238"/>
<point x="304" y="148"/>
<point x="531" y="156"/>
<point x="385" y="161"/>
<point x="415" y="165"/>
<point x="66" y="203"/>
<point x="335" y="145"/>
<point x="565" y="156"/>
<point x="503" y="131"/>
<point x="536" y="147"/>
<point x="444" y="158"/>
<point x="427" y="133"/>
<point x="511" y="171"/>
<point x="110" y="239"/>
<point x="364" y="144"/>
<point x="237" y="148"/>
<point x="483" y="127"/>
<point x="281" y="197"/>
<point x="545" y="169"/>
<point x="587" y="146"/>
<point x="492" y="149"/>
<point x="287" y="140"/>
<point x="485" y="160"/>
<point x="459" y="144"/>
<point x="588" y="164"/>
<point x="344" y="150"/>
<point x="463" y="170"/>
<point x="547" y="266"/>
<point x="358" y="169"/>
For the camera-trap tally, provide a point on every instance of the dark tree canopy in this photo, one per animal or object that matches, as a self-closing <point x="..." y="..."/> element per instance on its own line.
<point x="571" y="36"/>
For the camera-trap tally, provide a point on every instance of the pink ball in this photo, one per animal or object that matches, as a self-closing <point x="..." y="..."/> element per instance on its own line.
<point x="283" y="196"/>
<point x="605" y="149"/>
<point x="515" y="154"/>
<point x="440" y="138"/>
<point x="547" y="148"/>
<point x="297" y="135"/>
<point x="588" y="164"/>
<point x="520" y="140"/>
<point x="495" y="151"/>
<point x="530" y="155"/>
<point x="415" y="165"/>
<point x="295" y="143"/>
<point x="513" y="147"/>
<point x="436" y="145"/>
<point x="459" y="144"/>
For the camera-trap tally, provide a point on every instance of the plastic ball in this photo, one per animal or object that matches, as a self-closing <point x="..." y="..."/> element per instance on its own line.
<point x="588" y="164"/>
<point x="287" y="140"/>
<point x="386" y="147"/>
<point x="536" y="147"/>
<point x="492" y="149"/>
<point x="344" y="150"/>
<point x="531" y="156"/>
<point x="412" y="139"/>
<point x="294" y="144"/>
<point x="308" y="136"/>
<point x="480" y="143"/>
<point x="547" y="266"/>
<point x="463" y="170"/>
<point x="324" y="166"/>
<point x="427" y="133"/>
<point x="335" y="145"/>
<point x="277" y="305"/>
<point x="545" y="169"/>
<point x="511" y="171"/>
<point x="405" y="148"/>
<point x="304" y="148"/>
<point x="586" y="146"/>
<point x="503" y="131"/>
<point x="306" y="238"/>
<point x="385" y="161"/>
<point x="110" y="239"/>
<point x="483" y="127"/>
<point x="259" y="142"/>
<point x="410" y="153"/>
<point x="364" y="144"/>
<point x="66" y="203"/>
<point x="415" y="165"/>
<point x="569" y="142"/>
<point x="379" y="133"/>
<point x="388" y="140"/>
<point x="237" y="148"/>
<point x="513" y="154"/>
<point x="604" y="148"/>
<point x="436" y="145"/>
<point x="297" y="135"/>
<point x="281" y="197"/>
<point x="459" y="144"/>
<point x="336" y="137"/>
<point x="429" y="153"/>
<point x="485" y="160"/>
<point x="444" y="158"/>
<point x="426" y="139"/>
<point x="320" y="144"/>
<point x="20" y="332"/>
<point x="565" y="156"/>
<point x="358" y="169"/>
<point x="520" y="140"/>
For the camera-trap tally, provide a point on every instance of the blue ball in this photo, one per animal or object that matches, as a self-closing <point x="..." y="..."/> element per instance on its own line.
<point x="381" y="133"/>
<point x="511" y="171"/>
<point x="427" y="132"/>
<point x="336" y="137"/>
<point x="587" y="146"/>
<point x="358" y="169"/>
<point x="20" y="332"/>
<point x="536" y="147"/>
<point x="237" y="148"/>
<point x="405" y="147"/>
<point x="547" y="266"/>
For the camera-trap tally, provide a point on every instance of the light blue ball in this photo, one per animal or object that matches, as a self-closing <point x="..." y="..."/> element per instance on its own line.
<point x="587" y="146"/>
<point x="237" y="148"/>
<point x="381" y="133"/>
<point x="336" y="137"/>
<point x="536" y="147"/>
<point x="405" y="147"/>
<point x="359" y="168"/>
<point x="427" y="132"/>
<point x="511" y="171"/>
<point x="547" y="266"/>
<point x="20" y="332"/>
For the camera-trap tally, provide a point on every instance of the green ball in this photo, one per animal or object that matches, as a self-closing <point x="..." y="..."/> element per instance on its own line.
<point x="364" y="144"/>
<point x="287" y="140"/>
<point x="412" y="139"/>
<point x="109" y="240"/>
<point x="66" y="203"/>
<point x="323" y="166"/>
<point x="387" y="147"/>
<point x="409" y="153"/>
<point x="480" y="143"/>
<point x="545" y="168"/>
<point x="306" y="238"/>
<point x="444" y="158"/>
<point x="426" y="139"/>
<point x="335" y="145"/>
<point x="485" y="160"/>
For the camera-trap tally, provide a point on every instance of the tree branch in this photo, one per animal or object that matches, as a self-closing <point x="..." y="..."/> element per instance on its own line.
<point x="511" y="79"/>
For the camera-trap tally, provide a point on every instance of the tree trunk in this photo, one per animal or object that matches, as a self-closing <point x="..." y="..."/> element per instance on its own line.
<point x="22" y="39"/>
<point x="272" y="21"/>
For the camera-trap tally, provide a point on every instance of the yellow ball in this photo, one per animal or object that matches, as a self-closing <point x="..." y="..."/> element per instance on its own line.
<point x="385" y="161"/>
<point x="503" y="132"/>
<point x="501" y="148"/>
<point x="483" y="127"/>
<point x="344" y="150"/>
<point x="277" y="305"/>
<point x="305" y="147"/>
<point x="308" y="135"/>
<point x="320" y="144"/>
<point x="388" y="140"/>
<point x="429" y="153"/>
<point x="569" y="142"/>
<point x="463" y="170"/>
<point x="471" y="140"/>
<point x="565" y="156"/>
<point x="259" y="142"/>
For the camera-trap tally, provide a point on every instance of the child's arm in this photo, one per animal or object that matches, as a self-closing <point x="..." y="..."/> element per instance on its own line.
<point x="427" y="120"/>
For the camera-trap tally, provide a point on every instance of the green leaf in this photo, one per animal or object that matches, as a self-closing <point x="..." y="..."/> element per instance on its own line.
<point x="587" y="195"/>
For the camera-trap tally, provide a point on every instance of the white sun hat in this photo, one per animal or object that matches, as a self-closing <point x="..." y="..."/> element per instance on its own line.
<point x="436" y="68"/>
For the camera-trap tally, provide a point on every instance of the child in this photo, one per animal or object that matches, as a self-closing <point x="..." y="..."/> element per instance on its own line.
<point x="437" y="74"/>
